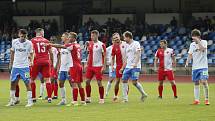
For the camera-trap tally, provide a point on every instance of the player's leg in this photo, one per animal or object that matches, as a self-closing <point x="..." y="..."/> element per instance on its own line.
<point x="206" y="91"/>
<point x="62" y="78"/>
<point x="45" y="71"/>
<point x="34" y="71"/>
<point x="42" y="86"/>
<point x="118" y="78"/>
<point x="17" y="100"/>
<point x="204" y="78"/>
<point x="196" y="80"/>
<point x="98" y="74"/>
<point x="14" y="81"/>
<point x="82" y="94"/>
<point x="125" y="76"/>
<point x="111" y="78"/>
<point x="25" y="76"/>
<point x="135" y="76"/>
<point x="170" y="77"/>
<point x="161" y="78"/>
<point x="89" y="76"/>
<point x="54" y="83"/>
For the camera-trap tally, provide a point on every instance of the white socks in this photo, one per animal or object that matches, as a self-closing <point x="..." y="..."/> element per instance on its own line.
<point x="196" y="92"/>
<point x="42" y="89"/>
<point x="125" y="91"/>
<point x="29" y="96"/>
<point x="140" y="88"/>
<point x="63" y="93"/>
<point x="108" y="88"/>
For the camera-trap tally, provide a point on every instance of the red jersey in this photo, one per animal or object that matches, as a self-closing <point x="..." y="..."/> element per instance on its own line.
<point x="119" y="51"/>
<point x="75" y="52"/>
<point x="41" y="50"/>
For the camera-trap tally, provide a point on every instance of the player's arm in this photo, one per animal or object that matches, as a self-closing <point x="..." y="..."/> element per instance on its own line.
<point x="58" y="61"/>
<point x="104" y="59"/>
<point x="124" y="65"/>
<point x="112" y="62"/>
<point x="11" y="58"/>
<point x="31" y="58"/>
<point x="137" y="57"/>
<point x="155" y="64"/>
<point x="58" y="46"/>
<point x="51" y="56"/>
<point x="189" y="58"/>
<point x="174" y="62"/>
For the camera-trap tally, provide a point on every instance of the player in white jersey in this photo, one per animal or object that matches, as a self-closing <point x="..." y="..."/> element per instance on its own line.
<point x="198" y="53"/>
<point x="64" y="63"/>
<point x="20" y="51"/>
<point x="112" y="73"/>
<point x="132" y="66"/>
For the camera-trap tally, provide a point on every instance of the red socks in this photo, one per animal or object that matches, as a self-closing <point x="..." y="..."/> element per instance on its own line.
<point x="33" y="88"/>
<point x="88" y="91"/>
<point x="160" y="90"/>
<point x="55" y="88"/>
<point x="75" y="94"/>
<point x="101" y="92"/>
<point x="17" y="91"/>
<point x="174" y="89"/>
<point x="49" y="89"/>
<point x="82" y="95"/>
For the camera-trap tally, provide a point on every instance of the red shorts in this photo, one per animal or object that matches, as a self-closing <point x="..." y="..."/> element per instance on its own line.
<point x="163" y="74"/>
<point x="118" y="75"/>
<point x="76" y="74"/>
<point x="91" y="71"/>
<point x="43" y="69"/>
<point x="54" y="73"/>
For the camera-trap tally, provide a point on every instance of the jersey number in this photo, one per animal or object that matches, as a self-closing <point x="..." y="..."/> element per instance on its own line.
<point x="41" y="48"/>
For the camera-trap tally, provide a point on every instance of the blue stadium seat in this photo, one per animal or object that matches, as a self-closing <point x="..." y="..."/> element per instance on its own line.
<point x="150" y="61"/>
<point x="181" y="61"/>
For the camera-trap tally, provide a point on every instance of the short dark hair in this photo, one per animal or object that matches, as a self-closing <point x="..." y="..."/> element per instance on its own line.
<point x="74" y="35"/>
<point x="195" y="32"/>
<point x="128" y="34"/>
<point x="164" y="41"/>
<point x="95" y="32"/>
<point x="23" y="31"/>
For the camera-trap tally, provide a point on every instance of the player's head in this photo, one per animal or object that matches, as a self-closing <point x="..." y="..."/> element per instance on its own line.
<point x="195" y="33"/>
<point x="116" y="38"/>
<point x="73" y="36"/>
<point x="65" y="37"/>
<point x="127" y="36"/>
<point x="22" y="34"/>
<point x="39" y="32"/>
<point x="163" y="44"/>
<point x="53" y="39"/>
<point x="94" y="35"/>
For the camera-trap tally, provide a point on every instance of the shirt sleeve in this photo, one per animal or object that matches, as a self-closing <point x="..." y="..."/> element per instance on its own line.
<point x="31" y="47"/>
<point x="13" y="48"/>
<point x="172" y="53"/>
<point x="191" y="49"/>
<point x="156" y="53"/>
<point x="103" y="48"/>
<point x="204" y="43"/>
<point x="137" y="46"/>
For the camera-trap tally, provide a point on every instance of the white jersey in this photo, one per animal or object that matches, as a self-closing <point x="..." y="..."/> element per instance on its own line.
<point x="200" y="59"/>
<point x="165" y="58"/>
<point x="96" y="53"/>
<point x="21" y="53"/>
<point x="55" y="53"/>
<point x="108" y="55"/>
<point x="66" y="60"/>
<point x="131" y="54"/>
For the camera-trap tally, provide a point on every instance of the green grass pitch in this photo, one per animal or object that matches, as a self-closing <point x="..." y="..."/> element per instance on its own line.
<point x="167" y="109"/>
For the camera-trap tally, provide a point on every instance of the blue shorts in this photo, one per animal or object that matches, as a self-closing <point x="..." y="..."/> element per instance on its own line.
<point x="200" y="74"/>
<point x="23" y="73"/>
<point x="63" y="75"/>
<point x="132" y="73"/>
<point x="112" y="74"/>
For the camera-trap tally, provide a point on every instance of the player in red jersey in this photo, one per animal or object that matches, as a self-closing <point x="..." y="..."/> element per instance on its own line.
<point x="96" y="65"/>
<point x="118" y="55"/>
<point x="166" y="59"/>
<point x="76" y="69"/>
<point x="43" y="60"/>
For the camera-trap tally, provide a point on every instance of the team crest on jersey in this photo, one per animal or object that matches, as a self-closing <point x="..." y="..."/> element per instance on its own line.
<point x="96" y="46"/>
<point x="122" y="46"/>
